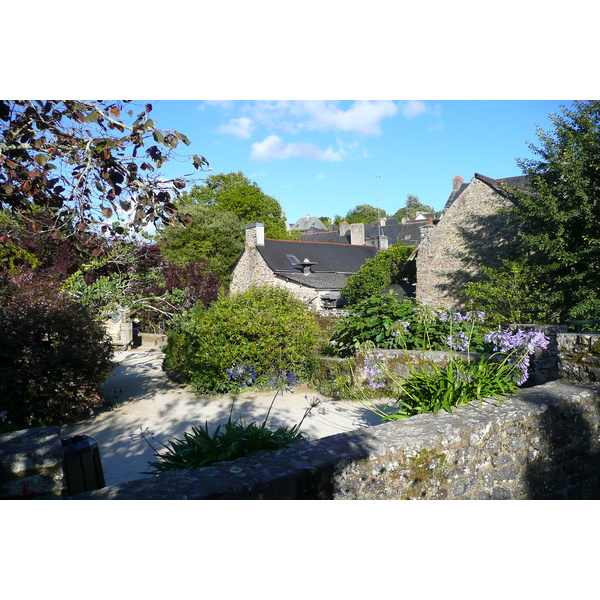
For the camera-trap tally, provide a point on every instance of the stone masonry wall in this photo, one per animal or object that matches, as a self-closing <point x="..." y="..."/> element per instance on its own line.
<point x="31" y="464"/>
<point x="579" y="356"/>
<point x="469" y="234"/>
<point x="541" y="445"/>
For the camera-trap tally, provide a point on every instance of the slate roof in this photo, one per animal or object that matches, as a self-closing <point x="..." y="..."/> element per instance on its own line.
<point x="334" y="262"/>
<point x="308" y="223"/>
<point x="409" y="233"/>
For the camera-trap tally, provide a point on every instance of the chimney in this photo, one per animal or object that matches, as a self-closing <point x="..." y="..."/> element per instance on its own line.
<point x="255" y="235"/>
<point x="457" y="182"/>
<point x="382" y="221"/>
<point x="357" y="234"/>
<point x="344" y="228"/>
<point x="307" y="266"/>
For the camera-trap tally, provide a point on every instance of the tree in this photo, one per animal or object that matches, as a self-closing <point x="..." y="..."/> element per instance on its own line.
<point x="235" y="193"/>
<point x="390" y="266"/>
<point x="86" y="164"/>
<point x="364" y="213"/>
<point x="213" y="235"/>
<point x="558" y="217"/>
<point x="412" y="207"/>
<point x="136" y="276"/>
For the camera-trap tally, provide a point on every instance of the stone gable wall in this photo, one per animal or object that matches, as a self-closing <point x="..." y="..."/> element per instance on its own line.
<point x="471" y="233"/>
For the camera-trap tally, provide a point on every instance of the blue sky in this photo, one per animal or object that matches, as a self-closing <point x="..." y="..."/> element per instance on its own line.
<point x="322" y="157"/>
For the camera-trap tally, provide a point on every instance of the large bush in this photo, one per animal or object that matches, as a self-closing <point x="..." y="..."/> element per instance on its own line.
<point x="390" y="266"/>
<point x="265" y="327"/>
<point x="53" y="356"/>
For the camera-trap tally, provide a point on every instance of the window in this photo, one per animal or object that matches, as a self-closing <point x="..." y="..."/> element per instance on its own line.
<point x="292" y="258"/>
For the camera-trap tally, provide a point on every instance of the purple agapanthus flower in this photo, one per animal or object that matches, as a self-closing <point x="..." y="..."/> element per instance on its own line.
<point x="373" y="370"/>
<point x="519" y="345"/>
<point x="243" y="374"/>
<point x="458" y="341"/>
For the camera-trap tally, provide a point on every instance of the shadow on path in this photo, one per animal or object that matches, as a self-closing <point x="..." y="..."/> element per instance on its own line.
<point x="140" y="395"/>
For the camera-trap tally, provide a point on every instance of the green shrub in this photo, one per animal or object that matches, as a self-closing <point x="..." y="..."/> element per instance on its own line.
<point x="386" y="267"/>
<point x="459" y="382"/>
<point x="265" y="326"/>
<point x="53" y="357"/>
<point x="389" y="323"/>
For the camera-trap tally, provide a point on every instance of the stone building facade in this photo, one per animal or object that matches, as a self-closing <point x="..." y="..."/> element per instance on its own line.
<point x="472" y="232"/>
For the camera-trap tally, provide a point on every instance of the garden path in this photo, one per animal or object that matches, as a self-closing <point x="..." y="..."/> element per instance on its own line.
<point x="140" y="395"/>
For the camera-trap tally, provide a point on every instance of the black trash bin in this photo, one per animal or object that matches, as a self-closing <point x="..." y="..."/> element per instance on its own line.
<point x="83" y="466"/>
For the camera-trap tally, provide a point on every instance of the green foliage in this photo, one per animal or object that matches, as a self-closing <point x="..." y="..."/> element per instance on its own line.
<point x="235" y="193"/>
<point x="390" y="266"/>
<point x="412" y="207"/>
<point x="211" y="234"/>
<point x="509" y="294"/>
<point x="364" y="213"/>
<point x="387" y="322"/>
<point x="235" y="439"/>
<point x="559" y="216"/>
<point x="430" y="389"/>
<point x="334" y="379"/>
<point x="53" y="357"/>
<point x="265" y="326"/>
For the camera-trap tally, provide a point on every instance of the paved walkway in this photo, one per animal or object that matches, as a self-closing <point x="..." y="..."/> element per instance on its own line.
<point x="142" y="396"/>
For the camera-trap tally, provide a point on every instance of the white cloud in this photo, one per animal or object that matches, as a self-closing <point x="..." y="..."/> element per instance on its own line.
<point x="413" y="108"/>
<point x="241" y="128"/>
<point x="363" y="117"/>
<point x="273" y="148"/>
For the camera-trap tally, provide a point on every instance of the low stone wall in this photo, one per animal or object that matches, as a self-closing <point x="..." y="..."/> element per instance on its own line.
<point x="579" y="356"/>
<point x="544" y="365"/>
<point x="31" y="464"/>
<point x="153" y="340"/>
<point x="542" y="444"/>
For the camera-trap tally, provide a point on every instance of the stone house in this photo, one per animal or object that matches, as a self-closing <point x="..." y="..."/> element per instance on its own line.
<point x="472" y="232"/>
<point x="307" y="224"/>
<point x="314" y="271"/>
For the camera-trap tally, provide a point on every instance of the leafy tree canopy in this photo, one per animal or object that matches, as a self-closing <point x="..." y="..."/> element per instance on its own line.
<point x="364" y="213"/>
<point x="86" y="162"/>
<point x="235" y="193"/>
<point x="213" y="235"/>
<point x="390" y="266"/>
<point x="412" y="207"/>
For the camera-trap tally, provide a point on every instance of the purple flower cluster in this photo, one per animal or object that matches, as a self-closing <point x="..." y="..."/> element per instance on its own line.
<point x="519" y="346"/>
<point x="404" y="324"/>
<point x="458" y="341"/>
<point x="286" y="380"/>
<point x="243" y="374"/>
<point x="457" y="317"/>
<point x="373" y="370"/>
